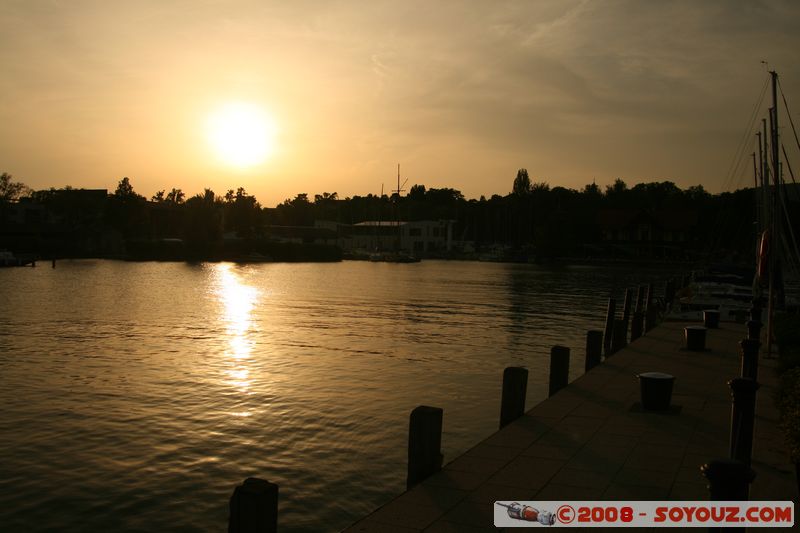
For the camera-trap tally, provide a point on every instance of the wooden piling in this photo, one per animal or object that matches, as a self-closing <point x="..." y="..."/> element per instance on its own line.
<point x="610" y="312"/>
<point x="619" y="336"/>
<point x="424" y="443"/>
<point x="594" y="348"/>
<point x="559" y="368"/>
<point x="669" y="292"/>
<point x="626" y="307"/>
<point x="515" y="387"/>
<point x="637" y="325"/>
<point x="650" y="312"/>
<point x="254" y="507"/>
<point x="640" y="299"/>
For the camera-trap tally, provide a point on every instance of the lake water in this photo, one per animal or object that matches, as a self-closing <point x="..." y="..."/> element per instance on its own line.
<point x="135" y="396"/>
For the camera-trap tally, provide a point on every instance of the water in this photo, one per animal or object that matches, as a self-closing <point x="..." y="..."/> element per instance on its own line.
<point x="137" y="395"/>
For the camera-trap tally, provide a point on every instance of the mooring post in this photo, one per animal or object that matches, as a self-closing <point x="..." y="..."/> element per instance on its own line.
<point x="610" y="312"/>
<point x="749" y="353"/>
<point x="424" y="443"/>
<point x="650" y="312"/>
<point x="559" y="368"/>
<point x="619" y="336"/>
<point x="728" y="480"/>
<point x="626" y="307"/>
<point x="254" y="507"/>
<point x="515" y="387"/>
<point x="640" y="299"/>
<point x="669" y="292"/>
<point x="754" y="329"/>
<point x="637" y="325"/>
<point x="594" y="348"/>
<point x="743" y="413"/>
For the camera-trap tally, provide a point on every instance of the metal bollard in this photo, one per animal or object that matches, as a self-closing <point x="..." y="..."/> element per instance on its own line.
<point x="254" y="507"/>
<point x="728" y="480"/>
<point x="695" y="337"/>
<point x="559" y="368"/>
<point x="594" y="348"/>
<point x="515" y="387"/>
<point x="424" y="443"/>
<point x="743" y="412"/>
<point x="749" y="353"/>
<point x="754" y="329"/>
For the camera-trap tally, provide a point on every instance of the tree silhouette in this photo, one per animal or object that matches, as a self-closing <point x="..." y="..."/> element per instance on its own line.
<point x="522" y="183"/>
<point x="11" y="190"/>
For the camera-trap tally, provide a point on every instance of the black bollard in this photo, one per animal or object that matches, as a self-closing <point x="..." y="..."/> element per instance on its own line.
<point x="711" y="318"/>
<point x="254" y="507"/>
<point x="743" y="412"/>
<point x="695" y="337"/>
<point x="749" y="353"/>
<point x="54" y="263"/>
<point x="619" y="336"/>
<point x="754" y="329"/>
<point x="594" y="348"/>
<point x="610" y="313"/>
<point x="515" y="387"/>
<point x="559" y="368"/>
<point x="424" y="443"/>
<point x="637" y="325"/>
<point x="728" y="480"/>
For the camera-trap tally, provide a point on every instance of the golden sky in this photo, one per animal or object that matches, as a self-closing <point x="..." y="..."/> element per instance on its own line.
<point x="461" y="94"/>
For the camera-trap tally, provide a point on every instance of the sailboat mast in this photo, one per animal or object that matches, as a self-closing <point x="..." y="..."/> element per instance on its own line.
<point x="774" y="238"/>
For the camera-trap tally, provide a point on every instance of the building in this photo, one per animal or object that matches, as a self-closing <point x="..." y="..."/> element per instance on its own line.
<point x="421" y="238"/>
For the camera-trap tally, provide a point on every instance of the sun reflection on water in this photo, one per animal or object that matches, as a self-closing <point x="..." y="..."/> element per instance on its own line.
<point x="238" y="300"/>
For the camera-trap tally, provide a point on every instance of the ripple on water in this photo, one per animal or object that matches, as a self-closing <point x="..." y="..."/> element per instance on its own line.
<point x="137" y="395"/>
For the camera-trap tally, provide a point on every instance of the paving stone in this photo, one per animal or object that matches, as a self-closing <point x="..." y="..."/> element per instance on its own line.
<point x="407" y="514"/>
<point x="583" y="478"/>
<point x="530" y="472"/>
<point x="472" y="513"/>
<point x="369" y="525"/>
<point x="644" y="478"/>
<point x="555" y="492"/>
<point x="492" y="492"/>
<point x="619" y="491"/>
<point x="456" y="479"/>
<point x="472" y="463"/>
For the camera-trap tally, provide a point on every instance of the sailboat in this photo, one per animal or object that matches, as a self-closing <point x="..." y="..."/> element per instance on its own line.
<point x="398" y="255"/>
<point x="734" y="290"/>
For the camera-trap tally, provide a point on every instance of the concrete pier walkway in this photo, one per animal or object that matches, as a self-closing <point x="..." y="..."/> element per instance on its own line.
<point x="591" y="442"/>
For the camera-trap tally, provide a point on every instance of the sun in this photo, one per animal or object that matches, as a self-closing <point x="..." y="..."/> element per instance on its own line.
<point x="242" y="134"/>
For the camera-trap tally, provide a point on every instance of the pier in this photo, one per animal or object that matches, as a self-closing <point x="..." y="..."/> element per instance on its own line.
<point x="593" y="441"/>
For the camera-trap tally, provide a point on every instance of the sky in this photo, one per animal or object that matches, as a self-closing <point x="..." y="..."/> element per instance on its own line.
<point x="460" y="94"/>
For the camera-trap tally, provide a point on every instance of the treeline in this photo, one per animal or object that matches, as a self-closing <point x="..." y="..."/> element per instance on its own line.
<point x="554" y="220"/>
